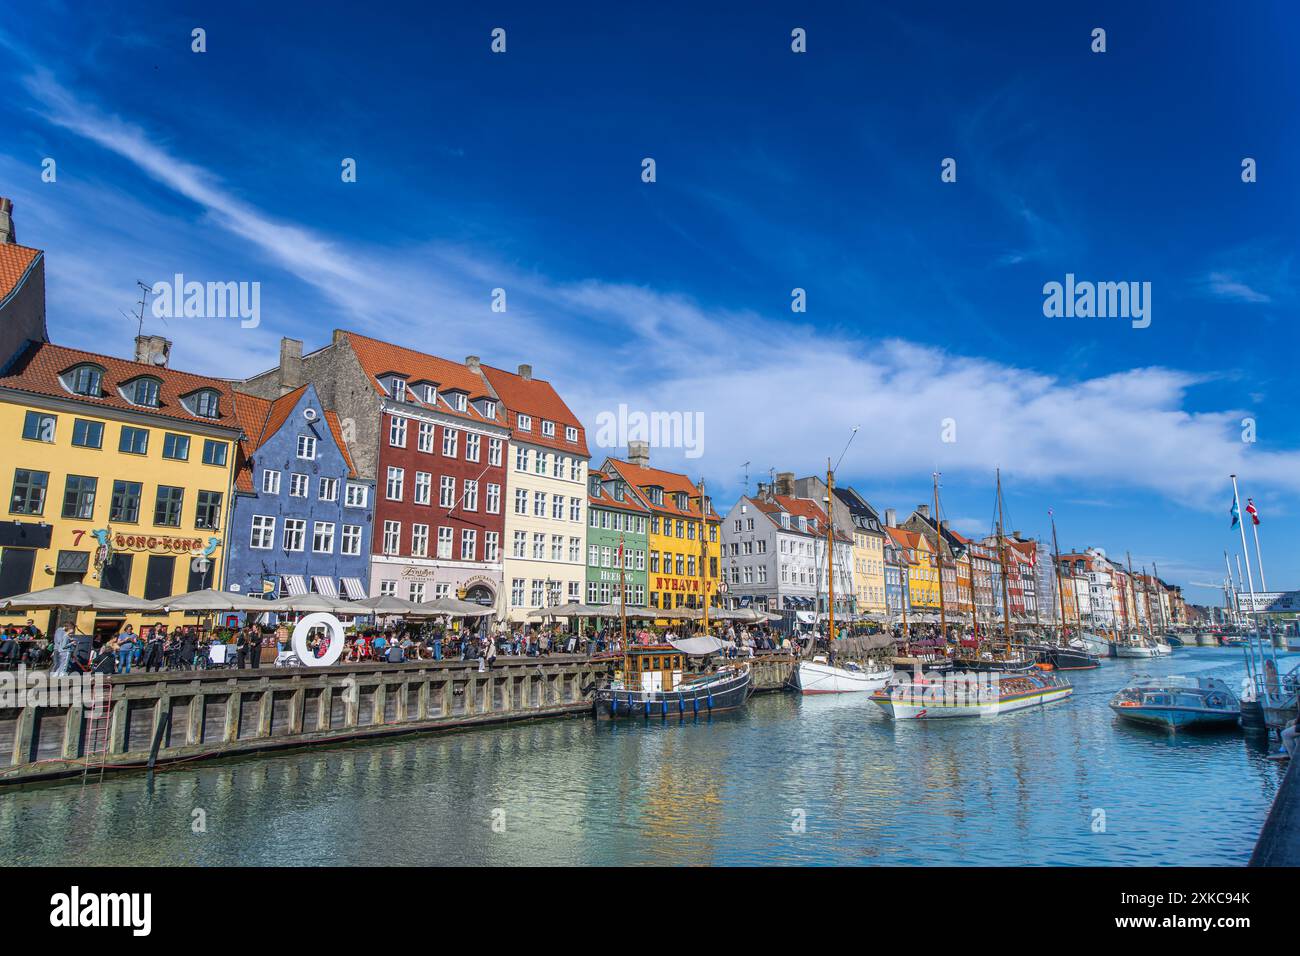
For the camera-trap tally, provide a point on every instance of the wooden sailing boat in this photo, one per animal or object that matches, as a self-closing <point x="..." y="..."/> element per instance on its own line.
<point x="823" y="674"/>
<point x="996" y="681"/>
<point x="1066" y="654"/>
<point x="1007" y="655"/>
<point x="653" y="680"/>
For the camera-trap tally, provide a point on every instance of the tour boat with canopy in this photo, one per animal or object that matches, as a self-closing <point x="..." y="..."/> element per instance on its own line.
<point x="1176" y="702"/>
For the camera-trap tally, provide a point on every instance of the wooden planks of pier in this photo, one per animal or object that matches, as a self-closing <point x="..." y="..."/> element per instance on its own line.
<point x="222" y="712"/>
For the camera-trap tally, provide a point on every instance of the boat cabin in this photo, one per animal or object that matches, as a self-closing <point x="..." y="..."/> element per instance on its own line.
<point x="652" y="667"/>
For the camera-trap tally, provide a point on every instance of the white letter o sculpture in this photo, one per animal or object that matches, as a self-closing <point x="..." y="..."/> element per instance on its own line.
<point x="303" y="628"/>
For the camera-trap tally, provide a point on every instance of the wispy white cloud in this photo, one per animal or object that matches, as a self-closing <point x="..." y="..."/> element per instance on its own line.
<point x="773" y="393"/>
<point x="1226" y="286"/>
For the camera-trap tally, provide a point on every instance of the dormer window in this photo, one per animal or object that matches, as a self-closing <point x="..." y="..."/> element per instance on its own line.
<point x="785" y="521"/>
<point x="656" y="495"/>
<point x="803" y="523"/>
<point x="431" y="394"/>
<point x="548" y="428"/>
<point x="397" y="388"/>
<point x="459" y="401"/>
<point x="206" y="404"/>
<point x="620" y="490"/>
<point x="524" y="422"/>
<point x="85" y="380"/>
<point x="144" y="391"/>
<point x="682" y="502"/>
<point x="570" y="434"/>
<point x="594" y="484"/>
<point x="489" y="409"/>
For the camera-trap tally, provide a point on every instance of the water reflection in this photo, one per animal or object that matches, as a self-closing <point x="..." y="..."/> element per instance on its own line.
<point x="1021" y="788"/>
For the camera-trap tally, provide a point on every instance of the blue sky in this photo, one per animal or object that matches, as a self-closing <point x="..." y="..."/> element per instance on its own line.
<point x="774" y="170"/>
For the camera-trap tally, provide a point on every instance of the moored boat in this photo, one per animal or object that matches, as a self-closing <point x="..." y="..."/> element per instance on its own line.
<point x="1135" y="646"/>
<point x="819" y="676"/>
<point x="653" y="683"/>
<point x="970" y="694"/>
<point x="1177" y="702"/>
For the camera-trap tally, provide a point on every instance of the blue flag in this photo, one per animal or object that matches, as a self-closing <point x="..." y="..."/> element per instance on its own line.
<point x="1236" y="513"/>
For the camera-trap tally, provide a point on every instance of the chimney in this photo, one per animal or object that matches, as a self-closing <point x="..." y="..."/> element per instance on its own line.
<point x="785" y="483"/>
<point x="1016" y="536"/>
<point x="526" y="372"/>
<point x="153" y="350"/>
<point x="7" y="221"/>
<point x="291" y="370"/>
<point x="338" y="337"/>
<point x="638" y="452"/>
<point x="923" y="511"/>
<point x="891" y="518"/>
<point x="471" y="362"/>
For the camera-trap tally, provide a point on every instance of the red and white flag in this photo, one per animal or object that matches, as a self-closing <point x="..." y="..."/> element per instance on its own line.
<point x="1250" y="510"/>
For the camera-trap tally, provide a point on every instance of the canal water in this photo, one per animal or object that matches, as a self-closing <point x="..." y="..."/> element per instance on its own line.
<point x="789" y="780"/>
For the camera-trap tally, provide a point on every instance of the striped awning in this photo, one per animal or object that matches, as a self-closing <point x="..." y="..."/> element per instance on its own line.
<point x="296" y="584"/>
<point x="353" y="589"/>
<point x="324" y="585"/>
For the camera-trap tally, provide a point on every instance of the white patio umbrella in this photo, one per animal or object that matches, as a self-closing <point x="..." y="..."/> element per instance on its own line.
<point x="210" y="599"/>
<point x="633" y="611"/>
<point x="454" y="607"/>
<point x="312" y="603"/>
<point x="391" y="604"/>
<point x="76" y="597"/>
<point x="572" y="609"/>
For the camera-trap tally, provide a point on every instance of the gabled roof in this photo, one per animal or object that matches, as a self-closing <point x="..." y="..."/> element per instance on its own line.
<point x="262" y="419"/>
<point x="537" y="399"/>
<point x="909" y="541"/>
<point x="15" y="263"/>
<point x="379" y="358"/>
<point x="37" y="369"/>
<point x="670" y="481"/>
<point x="796" y="508"/>
<point x="633" y="501"/>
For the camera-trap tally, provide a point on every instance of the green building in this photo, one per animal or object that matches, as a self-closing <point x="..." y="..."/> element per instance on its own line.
<point x="617" y="514"/>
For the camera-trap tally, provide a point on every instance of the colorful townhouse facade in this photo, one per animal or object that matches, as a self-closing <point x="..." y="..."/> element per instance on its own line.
<point x="899" y="561"/>
<point x="120" y="473"/>
<point x="430" y="435"/>
<point x="684" y="537"/>
<point x="855" y="516"/>
<point x="618" y="523"/>
<point x="301" y="517"/>
<point x="546" y="519"/>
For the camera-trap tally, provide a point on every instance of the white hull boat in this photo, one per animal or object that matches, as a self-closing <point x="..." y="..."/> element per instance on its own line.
<point x="818" y="676"/>
<point x="970" y="695"/>
<point x="1135" y="650"/>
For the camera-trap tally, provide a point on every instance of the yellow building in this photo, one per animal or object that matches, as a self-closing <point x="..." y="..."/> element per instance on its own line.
<point x="869" y="571"/>
<point x="684" y="543"/>
<point x="923" y="574"/>
<point x="120" y="476"/>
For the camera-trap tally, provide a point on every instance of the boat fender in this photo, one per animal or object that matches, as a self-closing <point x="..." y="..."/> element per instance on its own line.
<point x="695" y="705"/>
<point x="613" y="705"/>
<point x="681" y="704"/>
<point x="710" y="702"/>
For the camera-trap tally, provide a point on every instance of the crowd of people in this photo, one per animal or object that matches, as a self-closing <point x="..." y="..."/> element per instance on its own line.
<point x="160" y="647"/>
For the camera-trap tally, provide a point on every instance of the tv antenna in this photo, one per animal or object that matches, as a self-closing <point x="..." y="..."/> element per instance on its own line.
<point x="145" y="292"/>
<point x="746" y="467"/>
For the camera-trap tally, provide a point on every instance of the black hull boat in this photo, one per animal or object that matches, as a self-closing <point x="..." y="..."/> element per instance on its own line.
<point x="725" y="689"/>
<point x="1063" y="658"/>
<point x="1072" y="659"/>
<point x="1015" y="664"/>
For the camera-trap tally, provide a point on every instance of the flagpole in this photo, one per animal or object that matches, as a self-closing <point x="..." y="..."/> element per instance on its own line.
<point x="1250" y="577"/>
<point x="1259" y="558"/>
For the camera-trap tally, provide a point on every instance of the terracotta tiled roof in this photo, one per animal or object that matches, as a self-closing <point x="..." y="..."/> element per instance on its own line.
<point x="798" y="507"/>
<point x="377" y="357"/>
<point x="38" y="368"/>
<point x="536" y="398"/>
<point x="250" y="412"/>
<point x="15" y="260"/>
<point x="670" y="481"/>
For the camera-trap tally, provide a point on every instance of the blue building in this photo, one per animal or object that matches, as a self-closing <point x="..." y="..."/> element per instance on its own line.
<point x="301" y="519"/>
